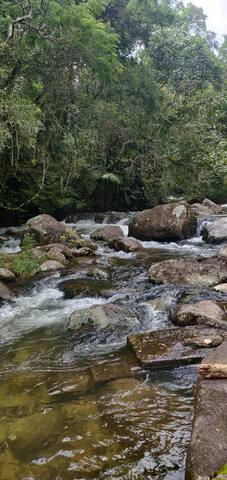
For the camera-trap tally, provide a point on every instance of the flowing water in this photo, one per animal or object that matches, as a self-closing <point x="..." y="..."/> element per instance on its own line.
<point x="78" y="406"/>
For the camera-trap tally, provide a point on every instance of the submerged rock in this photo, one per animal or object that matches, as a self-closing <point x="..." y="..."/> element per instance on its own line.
<point x="126" y="244"/>
<point x="215" y="232"/>
<point x="204" y="313"/>
<point x="45" y="229"/>
<point x="31" y="433"/>
<point x="202" y="272"/>
<point x="173" y="221"/>
<point x="85" y="286"/>
<point x="50" y="265"/>
<point x="7" y="275"/>
<point x="107" y="233"/>
<point x="101" y="317"/>
<point x="71" y="383"/>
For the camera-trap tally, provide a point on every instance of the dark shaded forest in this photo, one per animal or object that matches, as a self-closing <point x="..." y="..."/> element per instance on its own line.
<point x="109" y="104"/>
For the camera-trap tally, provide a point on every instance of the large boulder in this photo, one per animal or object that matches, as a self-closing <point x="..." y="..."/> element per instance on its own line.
<point x="204" y="272"/>
<point x="101" y="317"/>
<point x="215" y="232"/>
<point x="204" y="312"/>
<point x="107" y="233"/>
<point x="172" y="221"/>
<point x="45" y="229"/>
<point x="126" y="244"/>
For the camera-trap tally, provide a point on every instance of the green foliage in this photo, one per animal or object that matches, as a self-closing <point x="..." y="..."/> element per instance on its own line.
<point x="109" y="104"/>
<point x="28" y="242"/>
<point x="221" y="471"/>
<point x="23" y="264"/>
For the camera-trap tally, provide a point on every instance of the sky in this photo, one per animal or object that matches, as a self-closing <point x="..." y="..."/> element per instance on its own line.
<point x="216" y="11"/>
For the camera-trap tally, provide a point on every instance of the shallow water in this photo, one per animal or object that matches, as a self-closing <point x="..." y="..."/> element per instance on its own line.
<point x="79" y="406"/>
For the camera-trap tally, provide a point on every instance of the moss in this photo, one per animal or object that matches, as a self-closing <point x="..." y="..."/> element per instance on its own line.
<point x="69" y="238"/>
<point x="220" y="472"/>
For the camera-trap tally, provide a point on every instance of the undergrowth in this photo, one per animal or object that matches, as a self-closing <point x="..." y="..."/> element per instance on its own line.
<point x="23" y="264"/>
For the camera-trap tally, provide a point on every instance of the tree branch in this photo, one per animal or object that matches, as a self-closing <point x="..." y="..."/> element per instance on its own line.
<point x="14" y="23"/>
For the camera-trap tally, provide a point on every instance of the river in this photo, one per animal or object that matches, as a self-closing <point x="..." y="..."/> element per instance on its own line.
<point x="129" y="427"/>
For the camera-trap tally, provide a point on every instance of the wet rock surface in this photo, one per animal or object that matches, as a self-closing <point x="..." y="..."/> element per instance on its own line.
<point x="215" y="232"/>
<point x="102" y="317"/>
<point x="84" y="286"/>
<point x="51" y="265"/>
<point x="5" y="292"/>
<point x="45" y="229"/>
<point x="167" y="348"/>
<point x="200" y="313"/>
<point x="202" y="272"/>
<point x="107" y="233"/>
<point x="125" y="244"/>
<point x="207" y="450"/>
<point x="173" y="221"/>
<point x="7" y="275"/>
<point x="32" y="432"/>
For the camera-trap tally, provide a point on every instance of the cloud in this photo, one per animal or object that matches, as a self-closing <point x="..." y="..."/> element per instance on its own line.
<point x="216" y="11"/>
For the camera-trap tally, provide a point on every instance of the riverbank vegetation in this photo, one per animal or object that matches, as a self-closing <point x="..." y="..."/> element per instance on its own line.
<point x="109" y="104"/>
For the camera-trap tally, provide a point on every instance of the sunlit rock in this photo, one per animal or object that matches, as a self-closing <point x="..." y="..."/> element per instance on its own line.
<point x="172" y="221"/>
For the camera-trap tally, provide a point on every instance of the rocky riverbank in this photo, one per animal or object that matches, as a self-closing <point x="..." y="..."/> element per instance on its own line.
<point x="72" y="296"/>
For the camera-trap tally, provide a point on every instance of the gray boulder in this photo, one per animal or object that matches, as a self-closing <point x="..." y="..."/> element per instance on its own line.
<point x="50" y="265"/>
<point x="126" y="244"/>
<point x="101" y="317"/>
<point x="204" y="272"/>
<point x="215" y="232"/>
<point x="173" y="221"/>
<point x="107" y="233"/>
<point x="204" y="312"/>
<point x="45" y="229"/>
<point x="216" y="209"/>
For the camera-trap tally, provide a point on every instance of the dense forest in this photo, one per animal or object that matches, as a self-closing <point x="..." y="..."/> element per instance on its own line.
<point x="109" y="104"/>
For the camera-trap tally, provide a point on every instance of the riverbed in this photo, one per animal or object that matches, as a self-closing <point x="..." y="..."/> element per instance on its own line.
<point x="110" y="421"/>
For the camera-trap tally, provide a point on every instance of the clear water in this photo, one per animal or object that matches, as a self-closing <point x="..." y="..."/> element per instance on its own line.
<point x="72" y="407"/>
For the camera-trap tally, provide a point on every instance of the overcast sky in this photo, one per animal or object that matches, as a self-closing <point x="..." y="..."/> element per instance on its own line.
<point x="216" y="11"/>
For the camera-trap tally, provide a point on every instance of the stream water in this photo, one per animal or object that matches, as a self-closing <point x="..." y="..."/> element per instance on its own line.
<point x="62" y="416"/>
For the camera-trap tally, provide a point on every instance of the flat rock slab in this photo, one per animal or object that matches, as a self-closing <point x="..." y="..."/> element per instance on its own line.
<point x="207" y="450"/>
<point x="122" y="368"/>
<point x="168" y="348"/>
<point x="214" y="364"/>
